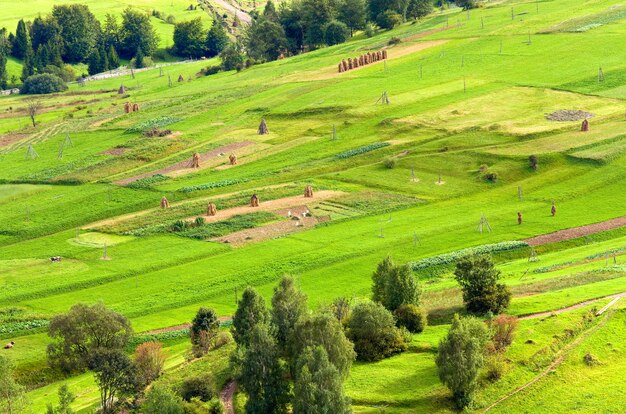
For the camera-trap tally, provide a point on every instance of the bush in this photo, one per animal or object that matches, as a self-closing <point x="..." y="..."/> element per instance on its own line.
<point x="370" y="30"/>
<point x="361" y="150"/>
<point x="211" y="70"/>
<point x="196" y="387"/>
<point x="394" y="41"/>
<point x="43" y="83"/>
<point x="199" y="221"/>
<point x="335" y="32"/>
<point x="374" y="334"/>
<point x="390" y="163"/>
<point x="222" y="338"/>
<point x="411" y="317"/>
<point x="160" y="400"/>
<point x="149" y="361"/>
<point x="532" y="160"/>
<point x="590" y="359"/>
<point x="388" y="20"/>
<point x="494" y="368"/>
<point x="491" y="176"/>
<point x="503" y="330"/>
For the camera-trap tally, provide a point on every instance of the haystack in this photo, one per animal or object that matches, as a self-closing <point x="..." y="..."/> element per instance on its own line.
<point x="180" y="78"/>
<point x="585" y="125"/>
<point x="135" y="108"/>
<point x="361" y="61"/>
<point x="355" y="62"/>
<point x="127" y="107"/>
<point x="340" y="68"/>
<point x="384" y="53"/>
<point x="121" y="90"/>
<point x="254" y="201"/>
<point x="519" y="218"/>
<point x="165" y="203"/>
<point x="195" y="160"/>
<point x="308" y="191"/>
<point x="344" y="64"/>
<point x="553" y="209"/>
<point x="350" y="63"/>
<point x="263" y="127"/>
<point x="211" y="210"/>
<point x="233" y="159"/>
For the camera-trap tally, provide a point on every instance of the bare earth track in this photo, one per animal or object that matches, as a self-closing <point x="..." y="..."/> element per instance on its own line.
<point x="575" y="232"/>
<point x="184" y="165"/>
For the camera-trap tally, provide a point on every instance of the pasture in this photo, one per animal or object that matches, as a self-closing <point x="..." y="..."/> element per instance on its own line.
<point x="410" y="179"/>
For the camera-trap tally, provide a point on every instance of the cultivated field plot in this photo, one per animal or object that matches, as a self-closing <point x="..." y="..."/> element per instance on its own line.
<point x="467" y="139"/>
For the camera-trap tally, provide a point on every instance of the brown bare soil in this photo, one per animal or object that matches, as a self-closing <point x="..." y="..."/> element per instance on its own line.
<point x="226" y="397"/>
<point x="271" y="230"/>
<point x="576" y="232"/>
<point x="184" y="165"/>
<point x="10" y="139"/>
<point x="114" y="151"/>
<point x="571" y="308"/>
<point x="271" y="205"/>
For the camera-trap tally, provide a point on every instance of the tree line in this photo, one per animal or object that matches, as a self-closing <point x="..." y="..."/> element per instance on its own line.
<point x="293" y="28"/>
<point x="71" y="34"/>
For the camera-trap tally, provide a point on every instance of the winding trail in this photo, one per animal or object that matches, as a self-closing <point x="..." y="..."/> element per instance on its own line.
<point x="562" y="354"/>
<point x="576" y="232"/>
<point x="240" y="13"/>
<point x="226" y="397"/>
<point x="573" y="307"/>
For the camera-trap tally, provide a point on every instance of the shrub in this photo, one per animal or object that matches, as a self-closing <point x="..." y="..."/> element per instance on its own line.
<point x="532" y="160"/>
<point x="149" y="361"/>
<point x="361" y="150"/>
<point x="222" y="338"/>
<point x="160" y="400"/>
<point x="199" y="221"/>
<point x="370" y="30"/>
<point x="494" y="368"/>
<point x="491" y="176"/>
<point x="374" y="334"/>
<point x="478" y="277"/>
<point x="388" y="20"/>
<point x="503" y="330"/>
<point x="390" y="163"/>
<point x="411" y="317"/>
<point x="394" y="286"/>
<point x="43" y="83"/>
<point x="196" y="387"/>
<point x="394" y="41"/>
<point x="335" y="32"/>
<point x="590" y="359"/>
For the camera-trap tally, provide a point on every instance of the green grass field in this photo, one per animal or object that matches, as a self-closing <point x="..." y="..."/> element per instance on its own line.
<point x="463" y="101"/>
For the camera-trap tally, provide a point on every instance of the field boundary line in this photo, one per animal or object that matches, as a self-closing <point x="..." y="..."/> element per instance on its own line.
<point x="562" y="354"/>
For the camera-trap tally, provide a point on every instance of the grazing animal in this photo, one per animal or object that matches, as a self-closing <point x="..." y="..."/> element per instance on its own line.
<point x="55" y="259"/>
<point x="9" y="345"/>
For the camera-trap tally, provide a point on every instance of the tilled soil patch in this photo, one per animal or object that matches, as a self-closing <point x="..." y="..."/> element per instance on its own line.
<point x="185" y="165"/>
<point x="566" y="115"/>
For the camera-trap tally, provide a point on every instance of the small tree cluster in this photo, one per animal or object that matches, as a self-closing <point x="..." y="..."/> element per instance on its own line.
<point x="478" y="278"/>
<point x="204" y="329"/>
<point x="192" y="40"/>
<point x="287" y="342"/>
<point x="42" y="84"/>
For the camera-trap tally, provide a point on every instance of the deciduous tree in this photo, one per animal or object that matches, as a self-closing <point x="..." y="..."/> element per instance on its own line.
<point x="81" y="331"/>
<point x="478" y="278"/>
<point x="251" y="311"/>
<point x="288" y="305"/>
<point x="460" y="357"/>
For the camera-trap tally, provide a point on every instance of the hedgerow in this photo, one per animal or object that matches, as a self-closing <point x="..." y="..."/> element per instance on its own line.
<point x="361" y="150"/>
<point x="148" y="181"/>
<point x="208" y="186"/>
<point x="153" y="123"/>
<point x="448" y="258"/>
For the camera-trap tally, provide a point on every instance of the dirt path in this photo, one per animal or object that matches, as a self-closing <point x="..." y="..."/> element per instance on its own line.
<point x="179" y="327"/>
<point x="575" y="232"/>
<point x="241" y="14"/>
<point x="562" y="354"/>
<point x="185" y="165"/>
<point x="226" y="397"/>
<point x="280" y="203"/>
<point x="573" y="307"/>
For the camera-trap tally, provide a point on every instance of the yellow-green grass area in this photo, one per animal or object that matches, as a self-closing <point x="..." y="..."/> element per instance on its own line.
<point x="581" y="387"/>
<point x="500" y="88"/>
<point x="14" y="10"/>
